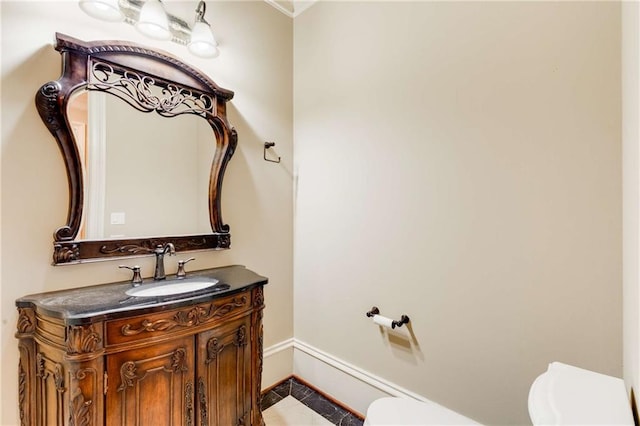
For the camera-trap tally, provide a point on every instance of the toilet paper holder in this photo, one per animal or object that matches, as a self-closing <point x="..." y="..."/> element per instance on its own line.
<point x="404" y="319"/>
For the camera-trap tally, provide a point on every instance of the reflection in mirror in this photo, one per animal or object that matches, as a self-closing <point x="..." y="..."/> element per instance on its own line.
<point x="148" y="177"/>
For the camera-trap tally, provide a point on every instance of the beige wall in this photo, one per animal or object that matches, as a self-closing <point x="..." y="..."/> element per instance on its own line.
<point x="631" y="186"/>
<point x="460" y="163"/>
<point x="256" y="45"/>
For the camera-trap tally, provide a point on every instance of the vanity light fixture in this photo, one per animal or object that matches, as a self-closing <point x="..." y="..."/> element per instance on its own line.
<point x="151" y="19"/>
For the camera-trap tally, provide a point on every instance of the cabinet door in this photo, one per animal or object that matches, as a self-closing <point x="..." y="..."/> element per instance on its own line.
<point x="224" y="374"/>
<point x="152" y="386"/>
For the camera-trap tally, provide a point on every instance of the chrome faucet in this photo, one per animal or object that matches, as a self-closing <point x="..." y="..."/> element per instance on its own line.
<point x="160" y="251"/>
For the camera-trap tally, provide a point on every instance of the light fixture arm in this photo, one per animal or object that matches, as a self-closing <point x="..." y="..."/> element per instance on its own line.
<point x="200" y="11"/>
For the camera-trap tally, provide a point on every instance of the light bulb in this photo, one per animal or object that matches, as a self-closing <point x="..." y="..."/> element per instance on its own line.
<point x="202" y="42"/>
<point x="107" y="10"/>
<point x="153" y="21"/>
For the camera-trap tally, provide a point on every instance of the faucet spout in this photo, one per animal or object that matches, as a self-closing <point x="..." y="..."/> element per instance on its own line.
<point x="160" y="251"/>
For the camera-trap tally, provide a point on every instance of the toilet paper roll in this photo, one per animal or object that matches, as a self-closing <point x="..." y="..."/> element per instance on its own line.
<point x="383" y="321"/>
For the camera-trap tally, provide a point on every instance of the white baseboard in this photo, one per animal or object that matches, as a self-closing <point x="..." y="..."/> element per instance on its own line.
<point x="351" y="385"/>
<point x="277" y="363"/>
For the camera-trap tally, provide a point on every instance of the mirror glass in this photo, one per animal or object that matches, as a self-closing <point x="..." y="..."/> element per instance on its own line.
<point x="145" y="175"/>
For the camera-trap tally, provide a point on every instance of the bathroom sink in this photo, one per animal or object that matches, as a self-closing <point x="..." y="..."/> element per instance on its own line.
<point x="171" y="288"/>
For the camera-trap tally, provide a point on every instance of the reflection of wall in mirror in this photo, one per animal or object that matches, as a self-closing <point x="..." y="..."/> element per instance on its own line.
<point x="135" y="164"/>
<point x="157" y="172"/>
<point x="77" y="113"/>
<point x="206" y="151"/>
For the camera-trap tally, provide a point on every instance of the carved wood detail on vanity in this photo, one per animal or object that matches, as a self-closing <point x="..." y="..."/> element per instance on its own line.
<point x="82" y="339"/>
<point x="195" y="316"/>
<point x="188" y="398"/>
<point x="202" y="399"/>
<point x="22" y="393"/>
<point x="213" y="349"/>
<point x="241" y="336"/>
<point x="122" y="370"/>
<point x="86" y="390"/>
<point x="80" y="409"/>
<point x="26" y="321"/>
<point x="127" y="375"/>
<point x="257" y="362"/>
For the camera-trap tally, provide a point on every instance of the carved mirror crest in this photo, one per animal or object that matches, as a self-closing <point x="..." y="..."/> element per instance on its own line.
<point x="135" y="83"/>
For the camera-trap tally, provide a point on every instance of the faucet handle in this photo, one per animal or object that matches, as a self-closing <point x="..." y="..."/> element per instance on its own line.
<point x="136" y="280"/>
<point x="181" y="272"/>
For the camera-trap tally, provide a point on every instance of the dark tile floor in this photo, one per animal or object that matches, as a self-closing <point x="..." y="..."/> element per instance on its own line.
<point x="312" y="399"/>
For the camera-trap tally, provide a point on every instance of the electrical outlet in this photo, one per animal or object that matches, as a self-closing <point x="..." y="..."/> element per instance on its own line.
<point x="117" y="218"/>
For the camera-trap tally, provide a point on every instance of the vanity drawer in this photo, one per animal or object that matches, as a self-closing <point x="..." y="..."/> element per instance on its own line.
<point x="196" y="317"/>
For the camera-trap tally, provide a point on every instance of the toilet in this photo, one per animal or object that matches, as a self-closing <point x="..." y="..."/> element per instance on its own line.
<point x="568" y="395"/>
<point x="563" y="395"/>
<point x="405" y="411"/>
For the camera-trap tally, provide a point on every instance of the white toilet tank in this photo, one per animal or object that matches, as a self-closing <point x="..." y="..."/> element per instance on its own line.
<point x="403" y="411"/>
<point x="567" y="395"/>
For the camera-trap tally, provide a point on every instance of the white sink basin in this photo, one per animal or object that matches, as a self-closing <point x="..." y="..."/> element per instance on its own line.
<point x="168" y="289"/>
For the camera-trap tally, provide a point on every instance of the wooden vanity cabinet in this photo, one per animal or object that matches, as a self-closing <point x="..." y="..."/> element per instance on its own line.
<point x="198" y="364"/>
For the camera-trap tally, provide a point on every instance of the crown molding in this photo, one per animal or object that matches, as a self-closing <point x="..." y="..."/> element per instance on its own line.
<point x="291" y="8"/>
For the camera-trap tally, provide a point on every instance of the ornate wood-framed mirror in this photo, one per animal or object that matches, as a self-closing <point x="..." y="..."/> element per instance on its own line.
<point x="96" y="151"/>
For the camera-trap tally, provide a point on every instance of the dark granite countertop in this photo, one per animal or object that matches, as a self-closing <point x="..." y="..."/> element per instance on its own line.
<point x="105" y="301"/>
